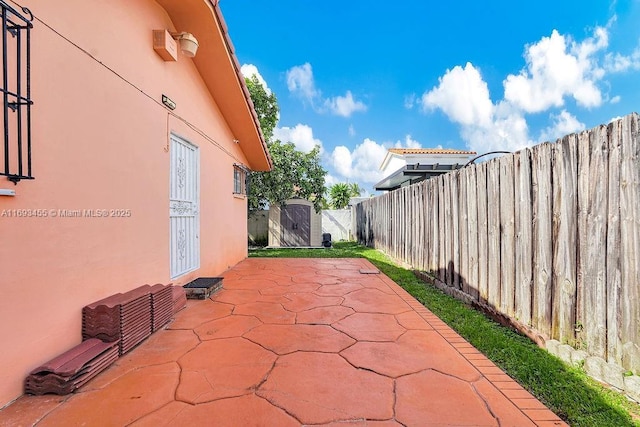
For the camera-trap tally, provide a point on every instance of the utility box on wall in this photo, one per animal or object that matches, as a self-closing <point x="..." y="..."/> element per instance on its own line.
<point x="165" y="45"/>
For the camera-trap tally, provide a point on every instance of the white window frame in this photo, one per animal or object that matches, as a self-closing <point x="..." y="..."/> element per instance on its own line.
<point x="239" y="180"/>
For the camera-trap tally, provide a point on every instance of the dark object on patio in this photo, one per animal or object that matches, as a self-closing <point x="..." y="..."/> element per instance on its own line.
<point x="326" y="240"/>
<point x="125" y="318"/>
<point x="72" y="369"/>
<point x="203" y="287"/>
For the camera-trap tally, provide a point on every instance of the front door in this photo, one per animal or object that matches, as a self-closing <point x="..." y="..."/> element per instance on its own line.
<point x="295" y="221"/>
<point x="184" y="207"/>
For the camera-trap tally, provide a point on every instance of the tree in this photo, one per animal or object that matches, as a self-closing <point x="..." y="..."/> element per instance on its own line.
<point x="294" y="174"/>
<point x="355" y="190"/>
<point x="342" y="193"/>
<point x="266" y="106"/>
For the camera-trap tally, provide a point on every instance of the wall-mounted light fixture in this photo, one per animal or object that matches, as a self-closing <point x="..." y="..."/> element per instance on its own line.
<point x="164" y="43"/>
<point x="188" y="43"/>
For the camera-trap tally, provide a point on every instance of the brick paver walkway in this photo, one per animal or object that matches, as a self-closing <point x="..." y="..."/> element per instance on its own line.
<point x="291" y="342"/>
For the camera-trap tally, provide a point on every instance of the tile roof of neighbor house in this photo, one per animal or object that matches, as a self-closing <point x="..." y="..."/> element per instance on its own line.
<point x="428" y="151"/>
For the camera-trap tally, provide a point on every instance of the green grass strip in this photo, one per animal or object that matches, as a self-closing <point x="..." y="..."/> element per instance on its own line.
<point x="567" y="391"/>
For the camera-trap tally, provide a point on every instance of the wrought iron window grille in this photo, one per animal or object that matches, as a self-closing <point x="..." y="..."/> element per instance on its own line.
<point x="240" y="179"/>
<point x="16" y="93"/>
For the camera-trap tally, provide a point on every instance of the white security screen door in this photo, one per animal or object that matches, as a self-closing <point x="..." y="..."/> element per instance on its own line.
<point x="184" y="207"/>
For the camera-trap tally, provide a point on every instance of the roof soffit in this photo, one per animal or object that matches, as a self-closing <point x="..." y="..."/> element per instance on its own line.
<point x="217" y="64"/>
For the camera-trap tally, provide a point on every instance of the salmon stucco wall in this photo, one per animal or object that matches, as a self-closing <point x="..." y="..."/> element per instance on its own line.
<point x="101" y="141"/>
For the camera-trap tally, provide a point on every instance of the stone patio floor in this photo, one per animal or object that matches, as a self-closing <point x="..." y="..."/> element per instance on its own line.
<point x="291" y="342"/>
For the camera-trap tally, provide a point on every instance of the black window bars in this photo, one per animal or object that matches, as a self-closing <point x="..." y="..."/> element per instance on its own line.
<point x="16" y="93"/>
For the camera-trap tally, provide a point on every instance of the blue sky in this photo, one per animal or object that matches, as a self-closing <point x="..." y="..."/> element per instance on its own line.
<point x="358" y="77"/>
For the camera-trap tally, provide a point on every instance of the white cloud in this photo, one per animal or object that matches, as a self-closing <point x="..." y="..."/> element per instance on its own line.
<point x="341" y="160"/>
<point x="366" y="160"/>
<point x="301" y="136"/>
<point x="344" y="105"/>
<point x="330" y="180"/>
<point x="618" y="63"/>
<point x="249" y="70"/>
<point x="462" y="95"/>
<point x="563" y="124"/>
<point x="363" y="163"/>
<point x="408" y="143"/>
<point x="615" y="99"/>
<point x="558" y="67"/>
<point x="352" y="130"/>
<point x="300" y="82"/>
<point x="508" y="131"/>
<point x="409" y="101"/>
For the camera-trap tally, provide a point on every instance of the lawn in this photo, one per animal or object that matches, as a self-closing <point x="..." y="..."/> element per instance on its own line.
<point x="567" y="391"/>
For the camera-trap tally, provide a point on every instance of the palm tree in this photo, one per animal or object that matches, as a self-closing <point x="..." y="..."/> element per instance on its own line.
<point x="340" y="195"/>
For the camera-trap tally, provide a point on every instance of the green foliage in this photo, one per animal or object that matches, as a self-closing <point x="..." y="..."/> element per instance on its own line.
<point x="294" y="174"/>
<point x="567" y="391"/>
<point x="355" y="190"/>
<point x="341" y="193"/>
<point x="266" y="106"/>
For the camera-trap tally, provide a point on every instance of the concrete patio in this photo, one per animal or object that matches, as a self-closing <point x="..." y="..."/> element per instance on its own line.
<point x="297" y="342"/>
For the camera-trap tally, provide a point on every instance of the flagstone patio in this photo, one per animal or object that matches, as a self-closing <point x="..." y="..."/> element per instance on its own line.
<point x="297" y="342"/>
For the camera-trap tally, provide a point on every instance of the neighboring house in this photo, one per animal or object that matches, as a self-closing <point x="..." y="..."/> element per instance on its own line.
<point x="126" y="190"/>
<point x="406" y="166"/>
<point x="295" y="223"/>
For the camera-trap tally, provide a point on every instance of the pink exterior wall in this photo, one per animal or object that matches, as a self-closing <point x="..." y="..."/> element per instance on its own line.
<point x="101" y="143"/>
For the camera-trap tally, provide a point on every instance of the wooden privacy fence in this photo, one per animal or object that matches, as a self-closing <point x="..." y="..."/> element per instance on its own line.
<point x="549" y="236"/>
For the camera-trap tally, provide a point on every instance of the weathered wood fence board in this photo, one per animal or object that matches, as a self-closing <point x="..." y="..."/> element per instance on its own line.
<point x="594" y="267"/>
<point x="565" y="235"/>
<point x="455" y="231"/>
<point x="463" y="230"/>
<point x="442" y="235"/>
<point x="549" y="236"/>
<point x="614" y="343"/>
<point x="472" y="230"/>
<point x="542" y="237"/>
<point x="507" y="236"/>
<point x="630" y="242"/>
<point x="493" y="233"/>
<point x="524" y="244"/>
<point x="483" y="233"/>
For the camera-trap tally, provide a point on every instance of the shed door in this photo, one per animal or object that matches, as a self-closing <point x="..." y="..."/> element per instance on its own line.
<point x="295" y="221"/>
<point x="184" y="216"/>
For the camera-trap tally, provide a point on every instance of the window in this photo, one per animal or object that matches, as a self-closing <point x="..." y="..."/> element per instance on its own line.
<point x="15" y="149"/>
<point x="240" y="174"/>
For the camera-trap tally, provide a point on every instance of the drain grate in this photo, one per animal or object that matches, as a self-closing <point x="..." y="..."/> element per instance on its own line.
<point x="202" y="287"/>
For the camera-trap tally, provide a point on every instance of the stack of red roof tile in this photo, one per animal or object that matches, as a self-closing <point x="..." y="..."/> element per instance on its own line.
<point x="179" y="298"/>
<point x="122" y="317"/>
<point x="72" y="369"/>
<point x="161" y="306"/>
